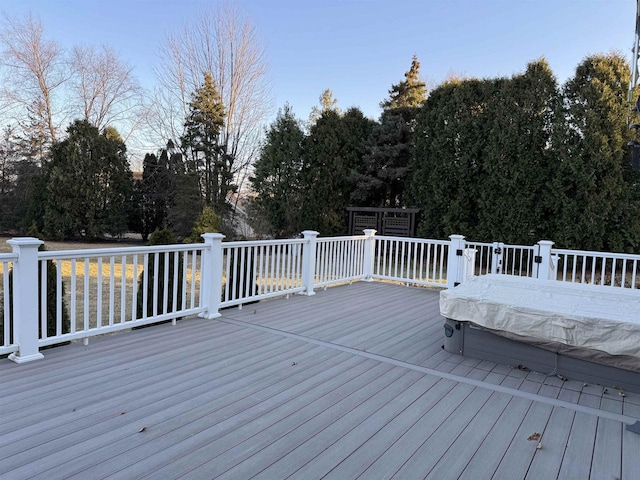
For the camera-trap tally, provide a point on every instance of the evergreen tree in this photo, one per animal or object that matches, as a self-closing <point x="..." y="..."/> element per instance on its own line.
<point x="519" y="162"/>
<point x="276" y="177"/>
<point x="207" y="222"/>
<point x="34" y="145"/>
<point x="410" y="92"/>
<point x="333" y="149"/>
<point x="449" y="146"/>
<point x="88" y="182"/>
<point x="386" y="169"/>
<point x="160" y="237"/>
<point x="156" y="190"/>
<point x="326" y="102"/>
<point x="8" y="162"/>
<point x="598" y="197"/>
<point x="381" y="179"/>
<point x="201" y="143"/>
<point x="184" y="196"/>
<point x="19" y="166"/>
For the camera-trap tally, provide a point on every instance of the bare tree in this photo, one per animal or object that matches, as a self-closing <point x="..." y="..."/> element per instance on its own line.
<point x="34" y="73"/>
<point x="106" y="90"/>
<point x="224" y="43"/>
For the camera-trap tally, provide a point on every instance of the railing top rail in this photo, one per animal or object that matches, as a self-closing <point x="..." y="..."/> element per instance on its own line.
<point x="257" y="243"/>
<point x="413" y="239"/>
<point x="591" y="253"/>
<point x="522" y="247"/>
<point x="482" y="244"/>
<point x="506" y="245"/>
<point x="8" y="257"/>
<point x="104" y="252"/>
<point x="342" y="238"/>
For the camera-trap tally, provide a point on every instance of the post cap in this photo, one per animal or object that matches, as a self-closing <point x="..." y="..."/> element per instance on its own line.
<point x="212" y="236"/>
<point x="25" y="242"/>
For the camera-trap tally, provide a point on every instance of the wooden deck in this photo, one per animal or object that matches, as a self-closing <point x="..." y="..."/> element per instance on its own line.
<point x="350" y="383"/>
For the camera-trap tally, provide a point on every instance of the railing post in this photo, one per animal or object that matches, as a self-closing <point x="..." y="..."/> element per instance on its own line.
<point x="498" y="256"/>
<point x="25" y="299"/>
<point x="211" y="274"/>
<point x="309" y="261"/>
<point x="369" y="254"/>
<point x="454" y="263"/>
<point x="543" y="259"/>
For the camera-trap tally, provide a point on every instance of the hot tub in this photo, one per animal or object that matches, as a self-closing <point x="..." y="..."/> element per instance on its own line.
<point x="584" y="332"/>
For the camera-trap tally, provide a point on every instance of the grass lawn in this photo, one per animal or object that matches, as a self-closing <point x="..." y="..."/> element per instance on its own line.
<point x="89" y="301"/>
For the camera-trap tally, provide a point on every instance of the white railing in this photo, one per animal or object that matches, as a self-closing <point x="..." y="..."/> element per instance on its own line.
<point x="104" y="290"/>
<point x="339" y="260"/>
<point x="63" y="296"/>
<point x="258" y="270"/>
<point x="6" y="331"/>
<point x="598" y="268"/>
<point x="518" y="260"/>
<point x="411" y="260"/>
<point x="485" y="257"/>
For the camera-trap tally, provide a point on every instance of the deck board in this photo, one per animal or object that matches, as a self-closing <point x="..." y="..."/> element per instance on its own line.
<point x="211" y="398"/>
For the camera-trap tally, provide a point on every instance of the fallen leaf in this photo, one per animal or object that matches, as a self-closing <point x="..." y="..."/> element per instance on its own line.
<point x="143" y="429"/>
<point x="122" y="413"/>
<point x="534" y="436"/>
<point x="523" y="368"/>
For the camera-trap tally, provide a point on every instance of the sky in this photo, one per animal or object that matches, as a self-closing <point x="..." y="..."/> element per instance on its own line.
<point x="359" y="48"/>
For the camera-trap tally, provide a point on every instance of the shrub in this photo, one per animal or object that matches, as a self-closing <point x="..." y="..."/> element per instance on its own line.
<point x="207" y="222"/>
<point x="160" y="237"/>
<point x="52" y="271"/>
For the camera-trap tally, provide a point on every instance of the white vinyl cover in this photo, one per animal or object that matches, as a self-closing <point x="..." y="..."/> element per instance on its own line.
<point x="591" y="316"/>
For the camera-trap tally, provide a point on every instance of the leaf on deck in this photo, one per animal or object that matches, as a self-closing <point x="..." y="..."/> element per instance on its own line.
<point x="534" y="437"/>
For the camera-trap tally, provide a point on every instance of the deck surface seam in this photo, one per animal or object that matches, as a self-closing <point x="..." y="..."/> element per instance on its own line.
<point x="626" y="419"/>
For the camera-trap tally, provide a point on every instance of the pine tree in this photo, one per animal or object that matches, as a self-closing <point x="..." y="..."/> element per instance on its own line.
<point x="410" y="92"/>
<point x="276" y="178"/>
<point x="185" y="199"/>
<point x="201" y="144"/>
<point x="383" y="177"/>
<point x="326" y="102"/>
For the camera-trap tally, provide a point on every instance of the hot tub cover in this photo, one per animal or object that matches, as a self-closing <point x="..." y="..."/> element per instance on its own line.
<point x="591" y="316"/>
